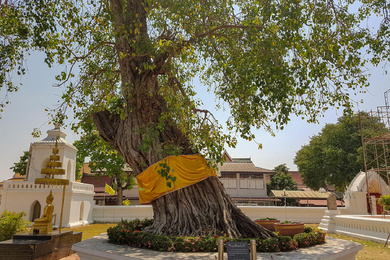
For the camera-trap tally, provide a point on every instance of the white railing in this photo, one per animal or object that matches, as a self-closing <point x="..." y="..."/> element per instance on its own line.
<point x="117" y="213"/>
<point x="11" y="185"/>
<point x="375" y="228"/>
<point x="24" y="185"/>
<point x="302" y="214"/>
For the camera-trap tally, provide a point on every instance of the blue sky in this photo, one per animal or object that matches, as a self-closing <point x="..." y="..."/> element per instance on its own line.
<point x="27" y="111"/>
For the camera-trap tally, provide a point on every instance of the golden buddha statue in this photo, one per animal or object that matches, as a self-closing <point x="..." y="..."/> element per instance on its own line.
<point x="44" y="224"/>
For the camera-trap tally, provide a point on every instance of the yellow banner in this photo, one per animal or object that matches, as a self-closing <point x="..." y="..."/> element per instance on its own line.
<point x="185" y="170"/>
<point x="108" y="189"/>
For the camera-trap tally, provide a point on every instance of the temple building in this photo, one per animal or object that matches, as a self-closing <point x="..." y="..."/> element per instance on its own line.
<point x="30" y="197"/>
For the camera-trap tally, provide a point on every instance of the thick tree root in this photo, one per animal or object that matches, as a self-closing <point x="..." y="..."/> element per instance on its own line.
<point x="202" y="209"/>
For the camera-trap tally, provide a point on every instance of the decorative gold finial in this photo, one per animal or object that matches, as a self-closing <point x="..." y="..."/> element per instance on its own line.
<point x="53" y="166"/>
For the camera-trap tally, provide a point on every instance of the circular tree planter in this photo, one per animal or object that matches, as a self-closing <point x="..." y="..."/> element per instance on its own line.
<point x="290" y="229"/>
<point x="268" y="224"/>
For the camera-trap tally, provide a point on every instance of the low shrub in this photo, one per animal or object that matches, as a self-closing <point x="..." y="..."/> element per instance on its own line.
<point x="308" y="229"/>
<point x="136" y="224"/>
<point x="12" y="223"/>
<point x="130" y="233"/>
<point x="286" y="243"/>
<point x="267" y="218"/>
<point x="304" y="239"/>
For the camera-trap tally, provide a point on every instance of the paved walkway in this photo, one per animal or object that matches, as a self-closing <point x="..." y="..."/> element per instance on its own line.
<point x="71" y="257"/>
<point x="99" y="247"/>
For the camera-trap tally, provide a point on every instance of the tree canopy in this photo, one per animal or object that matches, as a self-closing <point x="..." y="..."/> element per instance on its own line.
<point x="266" y="59"/>
<point x="334" y="156"/>
<point x="282" y="180"/>
<point x="21" y="166"/>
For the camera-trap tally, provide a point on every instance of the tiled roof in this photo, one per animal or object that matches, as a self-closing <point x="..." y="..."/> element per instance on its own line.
<point x="254" y="199"/>
<point x="298" y="178"/>
<point x="300" y="194"/>
<point x="86" y="171"/>
<point x="97" y="181"/>
<point x="242" y="167"/>
<point x="241" y="160"/>
<point x="319" y="203"/>
<point x="305" y="194"/>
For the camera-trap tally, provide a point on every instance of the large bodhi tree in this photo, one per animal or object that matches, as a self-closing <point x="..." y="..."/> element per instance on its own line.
<point x="131" y="65"/>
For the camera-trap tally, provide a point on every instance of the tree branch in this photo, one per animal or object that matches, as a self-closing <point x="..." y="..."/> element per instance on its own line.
<point x="90" y="52"/>
<point x="227" y="26"/>
<point x="67" y="78"/>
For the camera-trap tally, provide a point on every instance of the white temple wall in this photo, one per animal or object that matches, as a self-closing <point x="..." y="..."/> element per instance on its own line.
<point x="356" y="202"/>
<point x="80" y="210"/>
<point x="69" y="164"/>
<point x="40" y="155"/>
<point x="302" y="214"/>
<point x="20" y="196"/>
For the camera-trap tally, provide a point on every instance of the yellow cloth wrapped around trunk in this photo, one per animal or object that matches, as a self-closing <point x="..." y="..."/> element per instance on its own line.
<point x="188" y="170"/>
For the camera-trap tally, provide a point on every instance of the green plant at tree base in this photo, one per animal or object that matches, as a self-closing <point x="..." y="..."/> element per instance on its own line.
<point x="267" y="218"/>
<point x="130" y="233"/>
<point x="12" y="223"/>
<point x="385" y="201"/>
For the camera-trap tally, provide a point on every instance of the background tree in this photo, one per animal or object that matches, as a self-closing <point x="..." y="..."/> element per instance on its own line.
<point x="136" y="60"/>
<point x="334" y="156"/>
<point x="21" y="166"/>
<point x="104" y="160"/>
<point x="282" y="180"/>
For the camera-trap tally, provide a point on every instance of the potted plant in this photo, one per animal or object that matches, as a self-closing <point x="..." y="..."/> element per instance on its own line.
<point x="268" y="223"/>
<point x="289" y="228"/>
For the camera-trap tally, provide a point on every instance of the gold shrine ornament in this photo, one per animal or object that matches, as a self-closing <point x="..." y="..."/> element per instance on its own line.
<point x="53" y="168"/>
<point x="53" y="165"/>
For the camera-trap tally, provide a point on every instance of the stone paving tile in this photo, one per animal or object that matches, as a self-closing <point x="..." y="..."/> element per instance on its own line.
<point x="100" y="245"/>
<point x="71" y="257"/>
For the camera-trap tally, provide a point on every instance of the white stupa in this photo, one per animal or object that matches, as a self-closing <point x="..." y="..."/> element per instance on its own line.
<point x="30" y="197"/>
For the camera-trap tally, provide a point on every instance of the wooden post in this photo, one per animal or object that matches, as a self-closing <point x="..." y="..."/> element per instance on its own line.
<point x="253" y="249"/>
<point x="220" y="249"/>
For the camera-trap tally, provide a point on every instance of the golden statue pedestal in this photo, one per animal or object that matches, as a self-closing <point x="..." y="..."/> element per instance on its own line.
<point x="43" y="228"/>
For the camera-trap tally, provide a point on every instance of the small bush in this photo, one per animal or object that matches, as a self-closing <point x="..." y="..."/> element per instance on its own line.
<point x="309" y="239"/>
<point x="130" y="233"/>
<point x="12" y="223"/>
<point x="286" y="243"/>
<point x="136" y="224"/>
<point x="308" y="229"/>
<point x="267" y="218"/>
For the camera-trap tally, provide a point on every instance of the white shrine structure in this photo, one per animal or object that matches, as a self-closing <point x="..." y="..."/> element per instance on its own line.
<point x="356" y="195"/>
<point x="31" y="198"/>
<point x="362" y="217"/>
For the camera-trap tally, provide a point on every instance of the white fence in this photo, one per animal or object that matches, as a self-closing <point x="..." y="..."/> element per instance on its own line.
<point x="116" y="213"/>
<point x="374" y="228"/>
<point x="303" y="214"/>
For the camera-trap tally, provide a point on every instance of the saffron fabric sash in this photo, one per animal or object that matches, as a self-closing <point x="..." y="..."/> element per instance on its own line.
<point x="184" y="169"/>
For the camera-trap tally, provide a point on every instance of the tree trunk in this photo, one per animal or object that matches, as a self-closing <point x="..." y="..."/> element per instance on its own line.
<point x="200" y="209"/>
<point x="120" y="195"/>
